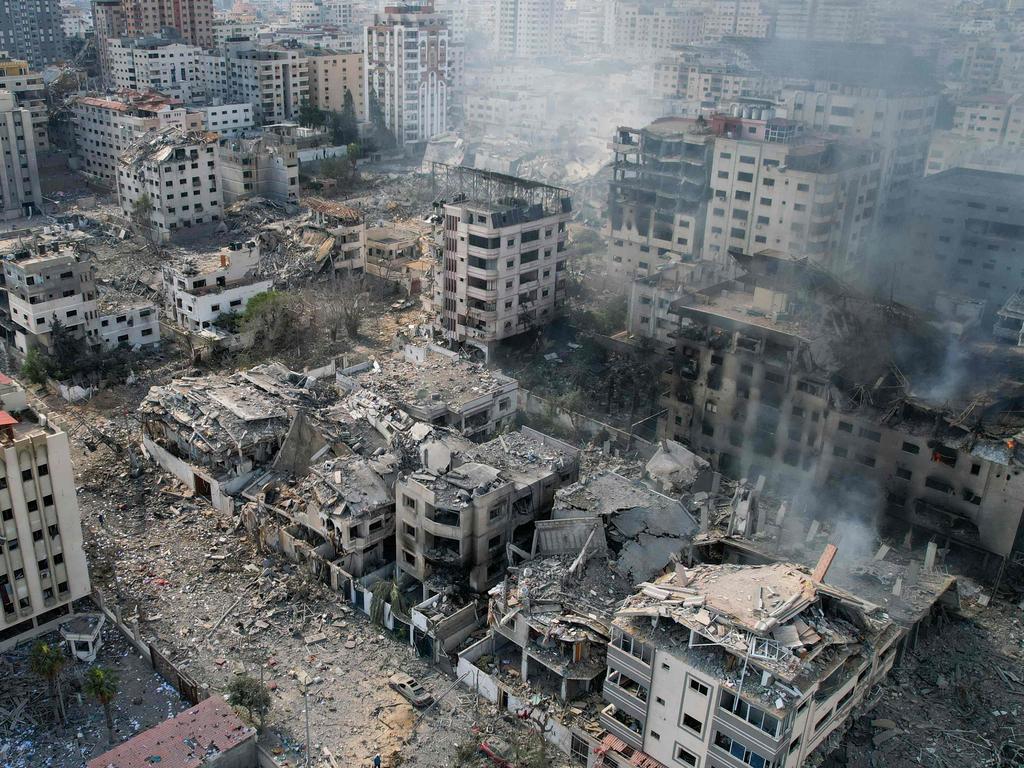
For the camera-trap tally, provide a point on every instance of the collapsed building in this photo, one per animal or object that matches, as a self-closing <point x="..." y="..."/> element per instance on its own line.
<point x="716" y="664"/>
<point x="440" y="387"/>
<point x="787" y="373"/>
<point x="213" y="433"/>
<point x="338" y="232"/>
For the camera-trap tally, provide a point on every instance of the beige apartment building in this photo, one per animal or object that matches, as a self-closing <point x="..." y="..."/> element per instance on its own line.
<point x="109" y="24"/>
<point x="454" y="525"/>
<point x="267" y="166"/>
<point x="331" y="74"/>
<point x="503" y="247"/>
<point x="773" y="186"/>
<point x="105" y="126"/>
<point x="992" y="119"/>
<point x="275" y="80"/>
<point x="42" y="561"/>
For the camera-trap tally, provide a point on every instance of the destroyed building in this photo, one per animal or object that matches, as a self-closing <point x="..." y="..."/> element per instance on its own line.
<point x="440" y="387"/>
<point x="201" y="287"/>
<point x="503" y="254"/>
<point x="214" y="433"/>
<point x="457" y="515"/>
<point x="787" y="373"/>
<point x="170" y="158"/>
<point x="49" y="279"/>
<point x="727" y="664"/>
<point x="342" y="252"/>
<point x="266" y="166"/>
<point x="657" y="198"/>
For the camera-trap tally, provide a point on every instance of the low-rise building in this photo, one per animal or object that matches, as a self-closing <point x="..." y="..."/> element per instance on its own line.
<point x="440" y="387"/>
<point x="42" y="559"/>
<point x="51" y="280"/>
<point x="169" y="180"/>
<point x="346" y="255"/>
<point x="203" y="287"/>
<point x="210" y="729"/>
<point x="105" y="126"/>
<point x="673" y="699"/>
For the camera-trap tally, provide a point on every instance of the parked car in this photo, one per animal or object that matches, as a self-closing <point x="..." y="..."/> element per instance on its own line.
<point x="410" y="688"/>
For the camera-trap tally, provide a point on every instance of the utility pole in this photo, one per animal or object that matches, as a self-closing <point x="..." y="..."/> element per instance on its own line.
<point x="309" y="746"/>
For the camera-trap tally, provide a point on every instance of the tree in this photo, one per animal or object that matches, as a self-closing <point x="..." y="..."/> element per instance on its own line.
<point x="251" y="695"/>
<point x="68" y="355"/>
<point x="36" y="366"/>
<point x="311" y="117"/>
<point x="273" y="318"/>
<point x="345" y="124"/>
<point x="385" y="139"/>
<point x="101" y="684"/>
<point x="48" y="662"/>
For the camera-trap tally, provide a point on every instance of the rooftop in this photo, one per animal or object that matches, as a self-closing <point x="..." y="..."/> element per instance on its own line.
<point x="346" y="213"/>
<point x="991" y="184"/>
<point x="189" y="740"/>
<point x="441" y="378"/>
<point x="159" y="145"/>
<point x="456" y="183"/>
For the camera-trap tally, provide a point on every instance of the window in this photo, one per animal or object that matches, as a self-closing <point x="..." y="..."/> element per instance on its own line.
<point x="911" y="448"/>
<point x="698" y="686"/>
<point x="692" y="723"/>
<point x="408" y="501"/>
<point x="409" y="557"/>
<point x="903" y="474"/>
<point x="685" y="757"/>
<point x="870" y="434"/>
<point x="44" y="470"/>
<point x="26" y="474"/>
<point x="579" y="750"/>
<point x="845" y="426"/>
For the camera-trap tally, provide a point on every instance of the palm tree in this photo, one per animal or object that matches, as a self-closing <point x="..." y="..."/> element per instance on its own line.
<point x="48" y="662"/>
<point x="101" y="684"/>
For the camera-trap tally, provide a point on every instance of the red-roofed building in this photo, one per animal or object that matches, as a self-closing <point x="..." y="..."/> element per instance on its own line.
<point x="209" y="734"/>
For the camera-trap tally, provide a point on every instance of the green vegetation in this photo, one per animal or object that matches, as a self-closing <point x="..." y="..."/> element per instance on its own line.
<point x="73" y="359"/>
<point x="48" y="661"/>
<point x="251" y="695"/>
<point x="101" y="684"/>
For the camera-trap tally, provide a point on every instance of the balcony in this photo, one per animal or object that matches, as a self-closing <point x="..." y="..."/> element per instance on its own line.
<point x="619" y="724"/>
<point x="626" y="700"/>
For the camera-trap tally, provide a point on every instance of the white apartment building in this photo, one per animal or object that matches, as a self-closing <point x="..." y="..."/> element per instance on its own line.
<point x="274" y="79"/>
<point x="42" y="560"/>
<point x="19" y="180"/>
<point x="156" y="64"/>
<point x="117" y="323"/>
<point x="228" y="119"/>
<point x="776" y="188"/>
<point x="899" y="122"/>
<point x="530" y="28"/>
<point x="105" y="126"/>
<point x="204" y="286"/>
<point x="407" y="72"/>
<point x="233" y="29"/>
<point x="503" y="255"/>
<point x="512" y="113"/>
<point x="178" y="172"/>
<point x="834" y="20"/>
<point x="991" y="119"/>
<point x="736" y="18"/>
